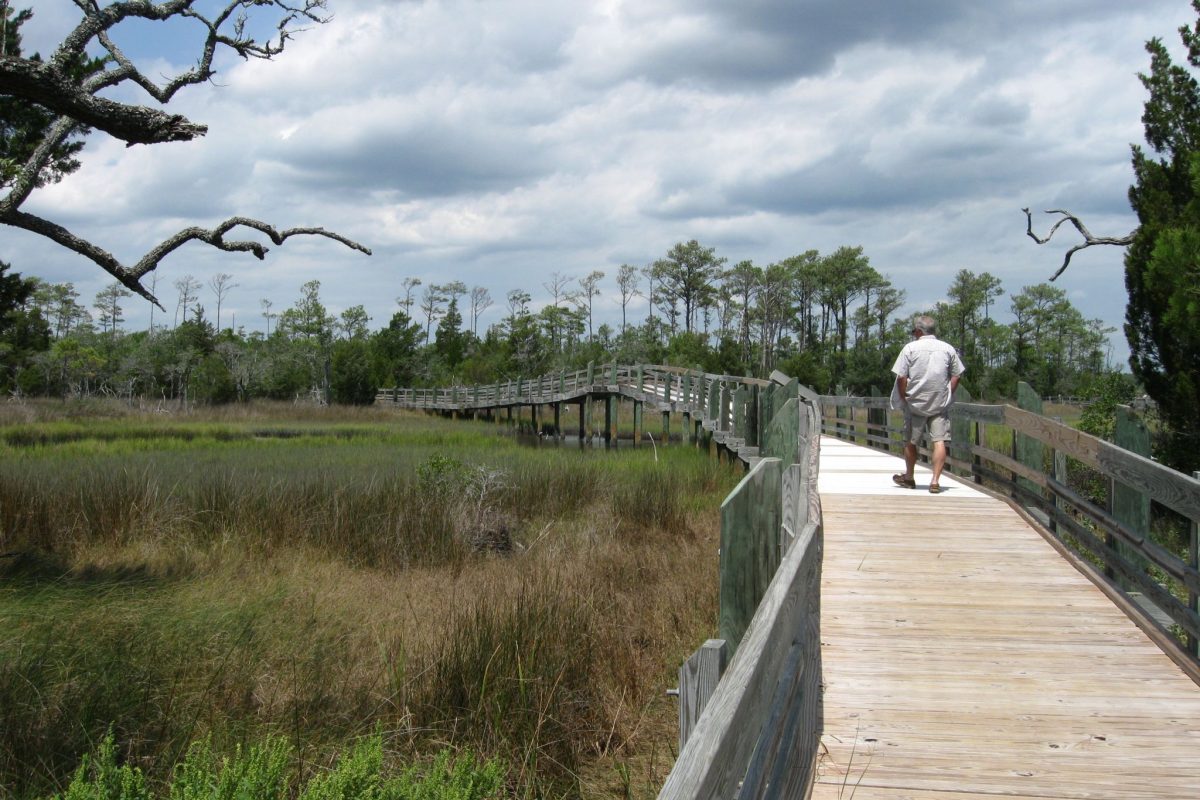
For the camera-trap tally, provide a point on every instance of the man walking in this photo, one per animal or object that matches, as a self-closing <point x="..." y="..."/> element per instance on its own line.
<point x="927" y="372"/>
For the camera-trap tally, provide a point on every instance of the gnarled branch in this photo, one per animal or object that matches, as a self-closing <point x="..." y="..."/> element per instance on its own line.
<point x="131" y="276"/>
<point x="43" y="84"/>
<point x="1088" y="238"/>
<point x="57" y="85"/>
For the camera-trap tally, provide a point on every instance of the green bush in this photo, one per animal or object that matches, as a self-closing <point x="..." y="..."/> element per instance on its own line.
<point x="262" y="773"/>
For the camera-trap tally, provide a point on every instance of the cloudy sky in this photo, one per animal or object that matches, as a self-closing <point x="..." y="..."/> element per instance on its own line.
<point x="499" y="142"/>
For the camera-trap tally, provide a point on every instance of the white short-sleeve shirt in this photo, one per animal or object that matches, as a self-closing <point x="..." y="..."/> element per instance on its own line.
<point x="928" y="363"/>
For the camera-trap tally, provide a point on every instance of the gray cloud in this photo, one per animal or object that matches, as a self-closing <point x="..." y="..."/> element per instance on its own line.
<point x="428" y="160"/>
<point x="497" y="142"/>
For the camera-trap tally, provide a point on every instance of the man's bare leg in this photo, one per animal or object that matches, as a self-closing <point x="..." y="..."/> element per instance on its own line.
<point x="910" y="459"/>
<point x="939" y="461"/>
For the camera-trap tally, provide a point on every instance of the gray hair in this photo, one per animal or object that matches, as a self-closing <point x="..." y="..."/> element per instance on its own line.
<point x="925" y="324"/>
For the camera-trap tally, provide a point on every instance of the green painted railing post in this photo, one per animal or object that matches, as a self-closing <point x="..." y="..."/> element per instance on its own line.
<point x="725" y="402"/>
<point x="591" y="373"/>
<point x="1026" y="449"/>
<point x="781" y="436"/>
<point x="741" y="396"/>
<point x="753" y="429"/>
<point x="610" y="420"/>
<point x="1059" y="459"/>
<point x="750" y="552"/>
<point x="839" y="413"/>
<point x="1129" y="505"/>
<point x="612" y="375"/>
<point x="878" y="416"/>
<point x="960" y="431"/>
<point x="562" y="382"/>
<point x="686" y="388"/>
<point x="714" y="404"/>
<point x="1194" y="561"/>
<point x="641" y="378"/>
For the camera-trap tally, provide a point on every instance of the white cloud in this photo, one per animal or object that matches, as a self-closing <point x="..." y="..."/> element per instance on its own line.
<point x="495" y="143"/>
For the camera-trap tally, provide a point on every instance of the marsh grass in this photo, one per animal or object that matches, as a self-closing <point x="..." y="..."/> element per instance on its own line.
<point x="234" y="587"/>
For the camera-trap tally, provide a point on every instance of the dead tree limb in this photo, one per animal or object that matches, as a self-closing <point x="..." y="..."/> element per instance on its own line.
<point x="130" y="276"/>
<point x="59" y="86"/>
<point x="1088" y="238"/>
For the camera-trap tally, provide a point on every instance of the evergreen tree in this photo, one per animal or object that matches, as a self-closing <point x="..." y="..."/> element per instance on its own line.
<point x="1162" y="265"/>
<point x="23" y="124"/>
<point x="23" y="330"/>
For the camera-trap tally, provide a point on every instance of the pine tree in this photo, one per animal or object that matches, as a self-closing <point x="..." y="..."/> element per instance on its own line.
<point x="1162" y="265"/>
<point x="22" y="124"/>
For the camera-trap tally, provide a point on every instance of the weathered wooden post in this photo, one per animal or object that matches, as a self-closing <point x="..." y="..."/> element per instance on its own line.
<point x="960" y="429"/>
<point x="685" y="406"/>
<point x="557" y="420"/>
<point x="877" y="416"/>
<point x="839" y="414"/>
<point x="726" y="401"/>
<point x="610" y="420"/>
<point x="591" y="374"/>
<point x="1129" y="505"/>
<point x="1060" y="475"/>
<point x="753" y="429"/>
<point x="1026" y="449"/>
<point x="666" y="427"/>
<point x="1194" y="561"/>
<point x="741" y="396"/>
<point x="583" y="404"/>
<point x="637" y="422"/>
<point x="533" y="417"/>
<point x="698" y="678"/>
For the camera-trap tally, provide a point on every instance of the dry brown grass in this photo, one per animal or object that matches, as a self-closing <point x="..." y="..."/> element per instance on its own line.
<point x="555" y="657"/>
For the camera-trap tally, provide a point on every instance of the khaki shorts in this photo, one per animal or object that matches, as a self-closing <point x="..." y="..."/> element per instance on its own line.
<point x="915" y="425"/>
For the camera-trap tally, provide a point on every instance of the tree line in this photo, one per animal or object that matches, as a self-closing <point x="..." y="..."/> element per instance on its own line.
<point x="831" y="320"/>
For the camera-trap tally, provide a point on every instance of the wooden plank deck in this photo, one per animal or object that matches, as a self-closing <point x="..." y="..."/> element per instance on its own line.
<point x="965" y="658"/>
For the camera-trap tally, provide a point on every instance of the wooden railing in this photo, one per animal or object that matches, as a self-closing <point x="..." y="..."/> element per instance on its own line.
<point x="759" y="731"/>
<point x="751" y="728"/>
<point x="1041" y="463"/>
<point x="663" y="383"/>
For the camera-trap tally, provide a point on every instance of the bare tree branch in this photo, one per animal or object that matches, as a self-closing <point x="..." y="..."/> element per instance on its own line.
<point x="131" y="276"/>
<point x="44" y="85"/>
<point x="57" y="86"/>
<point x="1088" y="238"/>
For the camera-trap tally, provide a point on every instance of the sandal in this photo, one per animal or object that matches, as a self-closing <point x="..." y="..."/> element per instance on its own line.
<point x="903" y="481"/>
<point x="935" y="488"/>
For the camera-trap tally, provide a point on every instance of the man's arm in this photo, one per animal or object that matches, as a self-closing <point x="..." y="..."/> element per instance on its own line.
<point x="902" y="387"/>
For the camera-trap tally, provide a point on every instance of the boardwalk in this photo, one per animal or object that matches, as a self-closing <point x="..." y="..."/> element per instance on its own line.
<point x="965" y="658"/>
